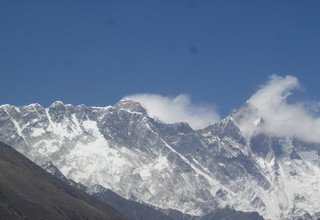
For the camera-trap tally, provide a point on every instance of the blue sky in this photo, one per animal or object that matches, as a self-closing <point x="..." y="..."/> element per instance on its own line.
<point x="96" y="52"/>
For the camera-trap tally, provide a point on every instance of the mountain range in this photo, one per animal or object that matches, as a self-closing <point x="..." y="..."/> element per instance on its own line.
<point x="29" y="192"/>
<point x="170" y="166"/>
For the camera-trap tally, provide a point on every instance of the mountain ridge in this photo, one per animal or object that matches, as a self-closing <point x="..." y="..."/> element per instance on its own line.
<point x="218" y="164"/>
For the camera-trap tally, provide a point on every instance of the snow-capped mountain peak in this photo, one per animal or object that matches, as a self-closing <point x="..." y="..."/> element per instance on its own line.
<point x="131" y="105"/>
<point x="122" y="148"/>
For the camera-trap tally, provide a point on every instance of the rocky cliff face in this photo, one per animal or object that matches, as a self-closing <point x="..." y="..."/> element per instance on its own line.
<point x="122" y="148"/>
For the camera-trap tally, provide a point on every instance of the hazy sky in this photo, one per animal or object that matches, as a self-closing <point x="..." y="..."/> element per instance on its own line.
<point x="96" y="52"/>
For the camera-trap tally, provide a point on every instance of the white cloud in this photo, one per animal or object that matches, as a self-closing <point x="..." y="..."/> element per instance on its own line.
<point x="177" y="109"/>
<point x="280" y="118"/>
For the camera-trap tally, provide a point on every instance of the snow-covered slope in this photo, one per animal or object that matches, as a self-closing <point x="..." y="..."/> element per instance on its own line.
<point x="122" y="148"/>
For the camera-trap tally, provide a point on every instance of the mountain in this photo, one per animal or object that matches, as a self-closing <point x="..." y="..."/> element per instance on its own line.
<point x="136" y="211"/>
<point x="29" y="192"/>
<point x="139" y="211"/>
<point x="170" y="166"/>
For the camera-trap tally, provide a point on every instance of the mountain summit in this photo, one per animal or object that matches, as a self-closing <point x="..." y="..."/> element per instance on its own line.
<point x="170" y="166"/>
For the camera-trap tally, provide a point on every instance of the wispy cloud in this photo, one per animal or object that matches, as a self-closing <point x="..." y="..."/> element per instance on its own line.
<point x="177" y="109"/>
<point x="269" y="111"/>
